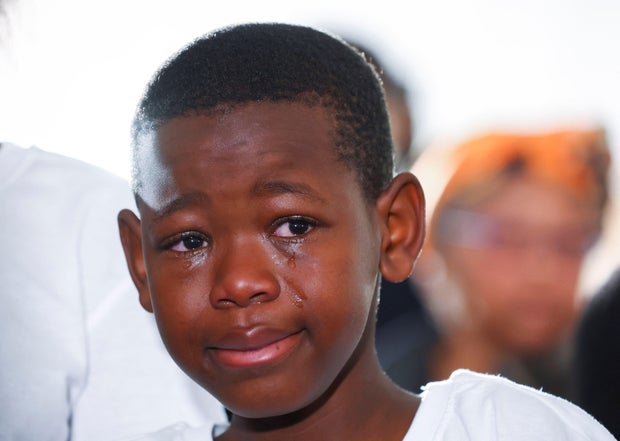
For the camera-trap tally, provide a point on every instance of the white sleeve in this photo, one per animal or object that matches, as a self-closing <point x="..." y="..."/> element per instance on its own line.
<point x="42" y="354"/>
<point x="472" y="406"/>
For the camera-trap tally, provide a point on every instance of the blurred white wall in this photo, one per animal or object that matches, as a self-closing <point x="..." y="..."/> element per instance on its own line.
<point x="72" y="71"/>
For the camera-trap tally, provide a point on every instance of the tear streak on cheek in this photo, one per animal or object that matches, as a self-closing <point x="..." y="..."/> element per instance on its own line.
<point x="194" y="261"/>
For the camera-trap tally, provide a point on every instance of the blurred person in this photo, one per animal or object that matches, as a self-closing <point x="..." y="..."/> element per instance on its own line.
<point x="597" y="356"/>
<point x="79" y="358"/>
<point x="401" y="117"/>
<point x="508" y="236"/>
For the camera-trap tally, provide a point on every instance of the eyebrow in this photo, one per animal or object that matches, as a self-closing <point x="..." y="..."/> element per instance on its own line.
<point x="180" y="203"/>
<point x="260" y="189"/>
<point x="287" y="187"/>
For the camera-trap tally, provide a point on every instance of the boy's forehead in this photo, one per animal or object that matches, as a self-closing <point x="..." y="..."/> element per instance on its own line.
<point x="233" y="126"/>
<point x="249" y="139"/>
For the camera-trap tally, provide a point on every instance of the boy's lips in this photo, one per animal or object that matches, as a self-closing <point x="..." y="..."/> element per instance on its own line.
<point x="254" y="347"/>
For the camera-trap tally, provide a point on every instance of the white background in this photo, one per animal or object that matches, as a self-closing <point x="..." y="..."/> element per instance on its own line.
<point x="71" y="71"/>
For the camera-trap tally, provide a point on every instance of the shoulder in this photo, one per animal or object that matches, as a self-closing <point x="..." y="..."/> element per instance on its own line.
<point x="86" y="188"/>
<point x="37" y="167"/>
<point x="180" y="432"/>
<point x="479" y="405"/>
<point x="76" y="170"/>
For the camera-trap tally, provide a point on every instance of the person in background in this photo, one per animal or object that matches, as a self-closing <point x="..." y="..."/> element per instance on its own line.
<point x="597" y="356"/>
<point x="79" y="359"/>
<point x="508" y="236"/>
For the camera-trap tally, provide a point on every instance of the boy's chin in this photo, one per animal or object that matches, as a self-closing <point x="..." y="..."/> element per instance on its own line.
<point x="275" y="404"/>
<point x="270" y="408"/>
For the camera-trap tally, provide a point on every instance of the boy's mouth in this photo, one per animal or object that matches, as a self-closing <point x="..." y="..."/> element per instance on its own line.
<point x="253" y="347"/>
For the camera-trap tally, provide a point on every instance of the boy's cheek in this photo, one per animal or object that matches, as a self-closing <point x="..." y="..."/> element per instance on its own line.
<point x="178" y="292"/>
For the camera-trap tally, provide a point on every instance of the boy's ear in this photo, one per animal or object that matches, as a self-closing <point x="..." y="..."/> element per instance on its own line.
<point x="401" y="208"/>
<point x="131" y="238"/>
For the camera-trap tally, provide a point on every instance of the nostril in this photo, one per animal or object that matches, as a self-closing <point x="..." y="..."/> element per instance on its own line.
<point x="225" y="303"/>
<point x="259" y="297"/>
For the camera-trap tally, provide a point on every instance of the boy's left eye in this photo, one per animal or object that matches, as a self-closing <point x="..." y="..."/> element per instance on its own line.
<point x="188" y="242"/>
<point x="293" y="227"/>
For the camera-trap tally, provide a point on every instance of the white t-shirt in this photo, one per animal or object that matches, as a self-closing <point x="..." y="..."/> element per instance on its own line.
<point x="471" y="406"/>
<point x="79" y="358"/>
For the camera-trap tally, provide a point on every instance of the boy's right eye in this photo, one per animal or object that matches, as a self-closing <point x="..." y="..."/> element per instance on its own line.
<point x="188" y="242"/>
<point x="293" y="226"/>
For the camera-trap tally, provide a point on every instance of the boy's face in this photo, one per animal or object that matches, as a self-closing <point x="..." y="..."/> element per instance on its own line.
<point x="261" y="254"/>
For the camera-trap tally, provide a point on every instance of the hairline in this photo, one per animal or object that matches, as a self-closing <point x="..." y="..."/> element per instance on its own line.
<point x="143" y="128"/>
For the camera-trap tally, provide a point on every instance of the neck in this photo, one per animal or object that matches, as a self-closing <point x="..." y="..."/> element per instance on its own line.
<point x="465" y="347"/>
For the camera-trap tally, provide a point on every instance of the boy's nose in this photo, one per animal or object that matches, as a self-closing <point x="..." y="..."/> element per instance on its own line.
<point x="244" y="277"/>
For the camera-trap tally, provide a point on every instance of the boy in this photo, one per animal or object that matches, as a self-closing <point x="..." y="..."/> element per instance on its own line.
<point x="263" y="177"/>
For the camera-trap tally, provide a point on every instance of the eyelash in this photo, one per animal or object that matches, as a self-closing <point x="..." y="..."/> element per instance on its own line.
<point x="181" y="239"/>
<point x="308" y="224"/>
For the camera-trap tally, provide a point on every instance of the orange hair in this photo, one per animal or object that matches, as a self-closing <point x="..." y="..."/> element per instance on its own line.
<point x="575" y="160"/>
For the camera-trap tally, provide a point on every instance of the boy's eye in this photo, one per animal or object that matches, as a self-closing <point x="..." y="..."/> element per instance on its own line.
<point x="188" y="242"/>
<point x="293" y="227"/>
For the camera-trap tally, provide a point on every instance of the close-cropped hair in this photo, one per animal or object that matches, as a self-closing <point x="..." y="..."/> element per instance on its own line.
<point x="271" y="62"/>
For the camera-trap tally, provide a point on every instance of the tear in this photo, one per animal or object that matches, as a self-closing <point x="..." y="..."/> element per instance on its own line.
<point x="291" y="262"/>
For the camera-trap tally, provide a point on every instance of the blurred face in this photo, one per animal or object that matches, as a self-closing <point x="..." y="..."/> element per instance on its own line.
<point x="261" y="254"/>
<point x="517" y="258"/>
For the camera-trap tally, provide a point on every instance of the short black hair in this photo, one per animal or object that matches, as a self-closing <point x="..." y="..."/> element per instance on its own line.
<point x="273" y="62"/>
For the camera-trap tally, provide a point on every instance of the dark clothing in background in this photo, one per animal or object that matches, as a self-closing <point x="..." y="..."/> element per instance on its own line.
<point x="597" y="357"/>
<point x="405" y="334"/>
